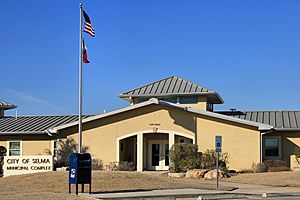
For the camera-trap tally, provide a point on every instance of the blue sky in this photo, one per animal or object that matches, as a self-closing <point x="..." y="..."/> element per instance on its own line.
<point x="248" y="51"/>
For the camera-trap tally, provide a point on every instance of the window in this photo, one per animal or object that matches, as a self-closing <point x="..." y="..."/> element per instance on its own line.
<point x="188" y="100"/>
<point x="140" y="100"/>
<point x="171" y="100"/>
<point x="14" y="148"/>
<point x="272" y="147"/>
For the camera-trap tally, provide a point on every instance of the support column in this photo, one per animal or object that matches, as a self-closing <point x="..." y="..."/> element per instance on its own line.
<point x="171" y="139"/>
<point x="139" y="164"/>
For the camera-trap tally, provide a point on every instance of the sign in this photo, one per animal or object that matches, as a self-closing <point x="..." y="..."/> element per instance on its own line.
<point x="15" y="165"/>
<point x="218" y="143"/>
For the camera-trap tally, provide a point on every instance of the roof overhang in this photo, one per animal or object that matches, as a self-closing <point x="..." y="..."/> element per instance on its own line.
<point x="26" y="133"/>
<point x="214" y="97"/>
<point x="287" y="129"/>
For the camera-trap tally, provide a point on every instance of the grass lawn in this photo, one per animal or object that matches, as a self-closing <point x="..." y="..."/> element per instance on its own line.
<point x="281" y="179"/>
<point x="54" y="185"/>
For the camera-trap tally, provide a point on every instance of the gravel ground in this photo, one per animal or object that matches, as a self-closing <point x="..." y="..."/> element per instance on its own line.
<point x="54" y="185"/>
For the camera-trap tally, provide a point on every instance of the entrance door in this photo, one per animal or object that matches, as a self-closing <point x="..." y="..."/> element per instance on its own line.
<point x="158" y="154"/>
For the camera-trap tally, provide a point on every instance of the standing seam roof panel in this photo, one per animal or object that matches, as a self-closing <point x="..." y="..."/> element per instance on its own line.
<point x="172" y="85"/>
<point x="13" y="126"/>
<point x="21" y="125"/>
<point x="193" y="88"/>
<point x="293" y="122"/>
<point x="188" y="87"/>
<point x="177" y="86"/>
<point x="182" y="86"/>
<point x="286" y="121"/>
<point x="37" y="124"/>
<point x="167" y="85"/>
<point x="154" y="88"/>
<point x="273" y="119"/>
<point x="266" y="117"/>
<point x="161" y="86"/>
<point x="279" y="119"/>
<point x="260" y="117"/>
<point x="297" y="115"/>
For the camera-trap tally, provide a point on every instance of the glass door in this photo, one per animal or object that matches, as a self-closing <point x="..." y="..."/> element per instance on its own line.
<point x="158" y="155"/>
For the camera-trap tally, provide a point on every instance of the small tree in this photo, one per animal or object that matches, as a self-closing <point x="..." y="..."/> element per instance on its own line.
<point x="65" y="148"/>
<point x="2" y="154"/>
<point x="184" y="157"/>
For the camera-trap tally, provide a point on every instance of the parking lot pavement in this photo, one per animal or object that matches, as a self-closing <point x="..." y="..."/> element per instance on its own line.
<point x="155" y="194"/>
<point x="243" y="191"/>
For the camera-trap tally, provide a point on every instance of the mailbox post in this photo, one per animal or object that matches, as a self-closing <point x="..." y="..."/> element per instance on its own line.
<point x="80" y="170"/>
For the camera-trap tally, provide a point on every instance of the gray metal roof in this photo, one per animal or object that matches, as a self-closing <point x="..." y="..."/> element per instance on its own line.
<point x="34" y="124"/>
<point x="280" y="120"/>
<point x="4" y="105"/>
<point x="172" y="86"/>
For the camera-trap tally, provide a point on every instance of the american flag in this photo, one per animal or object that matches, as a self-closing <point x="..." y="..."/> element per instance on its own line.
<point x="88" y="28"/>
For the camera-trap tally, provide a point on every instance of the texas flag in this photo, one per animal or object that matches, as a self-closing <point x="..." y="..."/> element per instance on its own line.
<point x="84" y="52"/>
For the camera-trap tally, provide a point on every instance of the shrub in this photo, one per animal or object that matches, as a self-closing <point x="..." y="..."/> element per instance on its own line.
<point x="261" y="167"/>
<point x="276" y="165"/>
<point x="208" y="160"/>
<point x="121" y="166"/>
<point x="97" y="164"/>
<point x="126" y="166"/>
<point x="297" y="152"/>
<point x="183" y="157"/>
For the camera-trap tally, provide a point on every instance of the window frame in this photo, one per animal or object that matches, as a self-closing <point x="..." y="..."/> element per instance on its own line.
<point x="8" y="147"/>
<point x="279" y="147"/>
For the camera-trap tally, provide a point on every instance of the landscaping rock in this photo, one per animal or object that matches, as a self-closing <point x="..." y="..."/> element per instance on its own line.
<point x="176" y="175"/>
<point x="61" y="169"/>
<point x="196" y="173"/>
<point x="212" y="174"/>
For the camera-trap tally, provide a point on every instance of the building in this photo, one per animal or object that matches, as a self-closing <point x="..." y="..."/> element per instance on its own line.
<point x="168" y="111"/>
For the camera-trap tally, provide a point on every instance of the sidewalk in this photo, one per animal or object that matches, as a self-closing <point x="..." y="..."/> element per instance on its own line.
<point x="245" y="191"/>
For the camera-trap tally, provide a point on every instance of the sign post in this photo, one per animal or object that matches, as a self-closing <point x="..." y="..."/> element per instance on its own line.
<point x="218" y="146"/>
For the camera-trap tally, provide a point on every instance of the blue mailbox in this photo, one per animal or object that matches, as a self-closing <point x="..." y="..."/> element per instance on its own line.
<point x="80" y="170"/>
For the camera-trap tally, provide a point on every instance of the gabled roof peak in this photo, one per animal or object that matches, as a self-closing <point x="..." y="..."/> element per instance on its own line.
<point x="172" y="86"/>
<point x="5" y="105"/>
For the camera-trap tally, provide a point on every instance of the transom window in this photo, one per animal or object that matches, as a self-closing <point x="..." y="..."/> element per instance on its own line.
<point x="188" y="100"/>
<point x="14" y="148"/>
<point x="272" y="147"/>
<point x="171" y="100"/>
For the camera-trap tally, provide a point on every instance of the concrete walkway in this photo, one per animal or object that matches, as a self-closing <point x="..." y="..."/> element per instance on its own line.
<point x="244" y="191"/>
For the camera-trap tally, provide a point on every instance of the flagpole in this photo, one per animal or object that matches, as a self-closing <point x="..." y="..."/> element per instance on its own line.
<point x="80" y="86"/>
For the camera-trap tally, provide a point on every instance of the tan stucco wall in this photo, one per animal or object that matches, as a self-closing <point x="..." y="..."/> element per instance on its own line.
<point x="31" y="145"/>
<point x="241" y="142"/>
<point x="290" y="140"/>
<point x="101" y="135"/>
